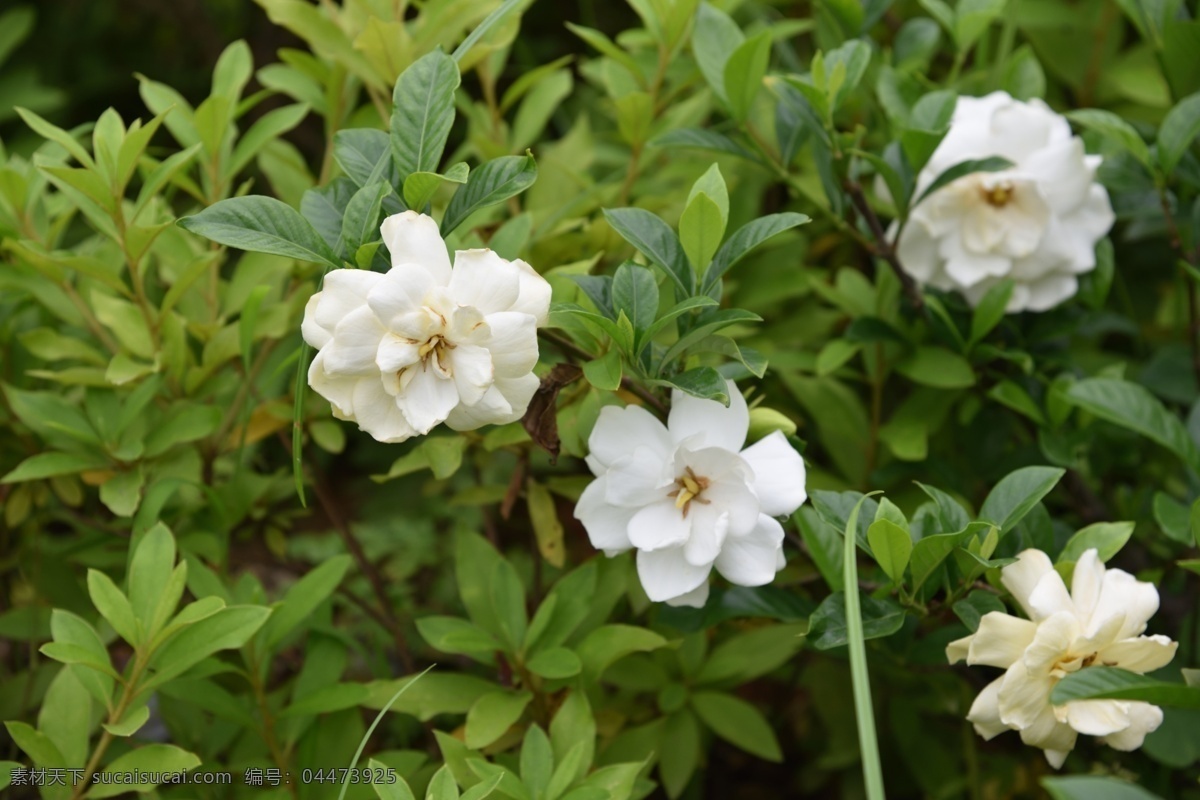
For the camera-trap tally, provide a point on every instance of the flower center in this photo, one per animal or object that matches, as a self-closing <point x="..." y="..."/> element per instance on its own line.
<point x="1072" y="663"/>
<point x="432" y="354"/>
<point x="690" y="487"/>
<point x="999" y="195"/>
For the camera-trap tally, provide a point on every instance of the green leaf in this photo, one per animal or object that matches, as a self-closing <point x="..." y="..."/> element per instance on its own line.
<point x="605" y="372"/>
<point x="1118" y="684"/>
<point x="58" y="136"/>
<point x="494" y="182"/>
<point x="715" y="37"/>
<point x="263" y="225"/>
<point x="229" y="628"/>
<point x="1133" y="407"/>
<point x="36" y="745"/>
<point x="748" y="237"/>
<point x="1113" y="128"/>
<point x="389" y="791"/>
<point x="604" y="45"/>
<point x="1177" y="132"/>
<point x="738" y="723"/>
<point x="131" y="723"/>
<point x="1094" y="787"/>
<point x="846" y="66"/>
<point x="635" y="292"/>
<point x="360" y="224"/>
<point x="364" y="154"/>
<point x="537" y="760"/>
<point x="703" y="382"/>
<point x="971" y="19"/>
<point x="930" y="551"/>
<point x="573" y="723"/>
<point x="492" y="715"/>
<point x="49" y="465"/>
<point x="547" y="528"/>
<point x="1016" y="494"/>
<point x="1106" y="537"/>
<point x="990" y="310"/>
<point x="269" y="126"/>
<point x="555" y="663"/>
<point x="423" y="113"/>
<point x="327" y="699"/>
<point x="936" y="367"/>
<point x="744" y="72"/>
<point x="702" y="139"/>
<point x="829" y="626"/>
<point x="892" y="547"/>
<point x="749" y="655"/>
<point x="456" y="635"/>
<point x="652" y="237"/>
<point x="962" y="168"/>
<point x="304" y="597"/>
<point x="606" y="644"/>
<point x="700" y="230"/>
<point x="152" y="581"/>
<point x="974" y="606"/>
<point x="149" y="761"/>
<point x="112" y="604"/>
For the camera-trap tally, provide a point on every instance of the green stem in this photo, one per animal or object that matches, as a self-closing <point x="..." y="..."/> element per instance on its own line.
<point x="860" y="679"/>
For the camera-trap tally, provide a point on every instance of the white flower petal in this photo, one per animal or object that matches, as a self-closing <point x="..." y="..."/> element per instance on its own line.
<point x="985" y="711"/>
<point x="696" y="598"/>
<point x="413" y="238"/>
<point x="1097" y="717"/>
<point x="1048" y="733"/>
<point x="1046" y="293"/>
<point x="607" y="525"/>
<point x="342" y="291"/>
<point x="1023" y="576"/>
<point x="491" y="409"/>
<point x="534" y="298"/>
<point x="484" y="280"/>
<point x="1024" y="696"/>
<point x="1142" y="654"/>
<point x="472" y="370"/>
<point x="710" y="527"/>
<point x="1000" y="640"/>
<point x="638" y="479"/>
<point x="395" y="353"/>
<point x="402" y="291"/>
<point x="513" y="343"/>
<point x="315" y="334"/>
<point x="917" y="249"/>
<point x="751" y="560"/>
<point x="658" y="525"/>
<point x="619" y="430"/>
<point x="1123" y="594"/>
<point x="355" y="343"/>
<point x="778" y="474"/>
<point x="957" y="650"/>
<point x="427" y="400"/>
<point x="734" y="499"/>
<point x="338" y="390"/>
<point x="1143" y="719"/>
<point x="666" y="574"/>
<point x="713" y="424"/>
<point x="1052" y="641"/>
<point x="517" y="392"/>
<point x="376" y="412"/>
<point x="1085" y="584"/>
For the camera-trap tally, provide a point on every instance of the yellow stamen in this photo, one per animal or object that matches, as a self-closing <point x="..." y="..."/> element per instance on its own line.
<point x="999" y="195"/>
<point x="684" y="497"/>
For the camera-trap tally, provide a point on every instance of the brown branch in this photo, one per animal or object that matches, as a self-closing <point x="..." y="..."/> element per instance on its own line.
<point x="883" y="247"/>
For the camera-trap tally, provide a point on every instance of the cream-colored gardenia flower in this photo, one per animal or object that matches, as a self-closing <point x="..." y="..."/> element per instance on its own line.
<point x="1036" y="223"/>
<point x="425" y="343"/>
<point x="1097" y="624"/>
<point x="688" y="497"/>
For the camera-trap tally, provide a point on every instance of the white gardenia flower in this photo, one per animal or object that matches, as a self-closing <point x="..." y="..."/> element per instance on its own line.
<point x="1037" y="222"/>
<point x="425" y="343"/>
<point x="1098" y="624"/>
<point x="688" y="497"/>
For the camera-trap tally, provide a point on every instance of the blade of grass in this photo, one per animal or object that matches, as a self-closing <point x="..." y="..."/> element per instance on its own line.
<point x="298" y="422"/>
<point x="868" y="743"/>
<point x="488" y="22"/>
<point x="366" y="736"/>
